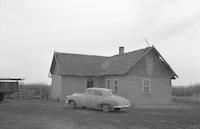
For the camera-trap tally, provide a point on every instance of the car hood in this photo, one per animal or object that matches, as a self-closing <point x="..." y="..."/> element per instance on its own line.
<point x="74" y="95"/>
<point x="77" y="94"/>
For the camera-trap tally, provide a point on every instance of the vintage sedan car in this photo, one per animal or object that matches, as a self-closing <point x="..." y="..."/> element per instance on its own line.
<point x="97" y="98"/>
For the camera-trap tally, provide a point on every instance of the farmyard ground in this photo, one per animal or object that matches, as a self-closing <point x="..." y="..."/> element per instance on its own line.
<point x="50" y="115"/>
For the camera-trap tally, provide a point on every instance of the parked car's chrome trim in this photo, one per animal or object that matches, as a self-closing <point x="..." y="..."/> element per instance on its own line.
<point x="124" y="106"/>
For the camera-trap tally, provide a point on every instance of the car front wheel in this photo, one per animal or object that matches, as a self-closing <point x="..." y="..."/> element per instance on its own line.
<point x="72" y="104"/>
<point x="106" y="108"/>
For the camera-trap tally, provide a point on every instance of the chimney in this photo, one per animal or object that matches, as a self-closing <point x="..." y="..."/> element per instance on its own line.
<point x="121" y="50"/>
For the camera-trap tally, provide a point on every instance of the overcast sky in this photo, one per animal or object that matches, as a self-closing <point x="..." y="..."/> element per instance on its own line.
<point x="31" y="30"/>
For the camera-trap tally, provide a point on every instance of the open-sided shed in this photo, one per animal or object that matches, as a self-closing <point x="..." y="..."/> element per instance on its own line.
<point x="8" y="86"/>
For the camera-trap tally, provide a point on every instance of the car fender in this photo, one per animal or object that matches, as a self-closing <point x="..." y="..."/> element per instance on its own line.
<point x="69" y="98"/>
<point x="111" y="102"/>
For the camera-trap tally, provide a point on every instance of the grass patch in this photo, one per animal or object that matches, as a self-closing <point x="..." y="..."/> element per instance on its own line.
<point x="53" y="115"/>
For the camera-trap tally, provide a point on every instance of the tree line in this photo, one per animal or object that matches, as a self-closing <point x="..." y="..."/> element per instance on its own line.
<point x="191" y="90"/>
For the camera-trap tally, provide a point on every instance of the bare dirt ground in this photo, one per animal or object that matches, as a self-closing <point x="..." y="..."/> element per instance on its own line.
<point x="50" y="115"/>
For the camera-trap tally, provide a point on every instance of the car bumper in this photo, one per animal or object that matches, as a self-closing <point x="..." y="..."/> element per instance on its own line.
<point x="67" y="101"/>
<point x="122" y="106"/>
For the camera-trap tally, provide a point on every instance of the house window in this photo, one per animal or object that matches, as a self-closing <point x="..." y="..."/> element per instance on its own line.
<point x="90" y="83"/>
<point x="108" y="84"/>
<point x="115" y="85"/>
<point x="146" y="86"/>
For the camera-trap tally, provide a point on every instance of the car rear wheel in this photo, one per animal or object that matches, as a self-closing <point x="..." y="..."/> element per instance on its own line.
<point x="72" y="104"/>
<point x="106" y="108"/>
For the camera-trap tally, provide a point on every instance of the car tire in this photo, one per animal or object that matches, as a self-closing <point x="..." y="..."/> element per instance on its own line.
<point x="72" y="104"/>
<point x="106" y="108"/>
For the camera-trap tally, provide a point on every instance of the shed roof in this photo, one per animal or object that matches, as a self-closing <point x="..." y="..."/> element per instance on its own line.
<point x="10" y="79"/>
<point x="16" y="79"/>
<point x="90" y="65"/>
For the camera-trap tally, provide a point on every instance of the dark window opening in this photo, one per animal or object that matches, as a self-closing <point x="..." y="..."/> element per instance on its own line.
<point x="90" y="83"/>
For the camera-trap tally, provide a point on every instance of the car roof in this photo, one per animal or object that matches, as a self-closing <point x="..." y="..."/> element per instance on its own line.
<point x="97" y="88"/>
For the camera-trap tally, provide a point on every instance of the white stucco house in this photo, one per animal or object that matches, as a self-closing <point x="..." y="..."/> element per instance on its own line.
<point x="143" y="76"/>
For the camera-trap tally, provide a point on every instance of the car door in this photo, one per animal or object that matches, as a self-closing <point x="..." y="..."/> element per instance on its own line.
<point x="87" y="98"/>
<point x="97" y="95"/>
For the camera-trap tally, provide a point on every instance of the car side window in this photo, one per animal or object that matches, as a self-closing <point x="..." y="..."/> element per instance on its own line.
<point x="97" y="93"/>
<point x="88" y="92"/>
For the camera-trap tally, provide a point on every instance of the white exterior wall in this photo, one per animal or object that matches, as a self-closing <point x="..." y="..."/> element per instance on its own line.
<point x="56" y="87"/>
<point x="130" y="87"/>
<point x="72" y="84"/>
<point x="99" y="82"/>
<point x="66" y="85"/>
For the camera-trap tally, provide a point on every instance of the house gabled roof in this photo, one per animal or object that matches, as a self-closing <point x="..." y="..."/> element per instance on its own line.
<point x="165" y="63"/>
<point x="120" y="64"/>
<point x="76" y="64"/>
<point x="90" y="65"/>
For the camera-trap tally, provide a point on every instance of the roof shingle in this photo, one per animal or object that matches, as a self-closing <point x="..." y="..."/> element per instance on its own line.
<point x="120" y="64"/>
<point x="90" y="65"/>
<point x="76" y="64"/>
